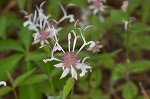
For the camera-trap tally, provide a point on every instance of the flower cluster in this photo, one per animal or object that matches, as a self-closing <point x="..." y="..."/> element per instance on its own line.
<point x="70" y="60"/>
<point x="44" y="29"/>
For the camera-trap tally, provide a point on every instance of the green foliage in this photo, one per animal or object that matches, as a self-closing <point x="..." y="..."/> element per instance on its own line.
<point x="129" y="90"/>
<point x="21" y="78"/>
<point x="34" y="79"/>
<point x="10" y="45"/>
<point x="9" y="64"/>
<point x="96" y="94"/>
<point x="139" y="66"/>
<point x="21" y="3"/>
<point x="68" y="87"/>
<point x="5" y="90"/>
<point x="95" y="79"/>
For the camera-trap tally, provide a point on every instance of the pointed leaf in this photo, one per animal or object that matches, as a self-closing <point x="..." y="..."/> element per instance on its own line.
<point x="10" y="45"/>
<point x="67" y="88"/>
<point x="35" y="79"/>
<point x="5" y="90"/>
<point x="19" y="80"/>
<point x="9" y="64"/>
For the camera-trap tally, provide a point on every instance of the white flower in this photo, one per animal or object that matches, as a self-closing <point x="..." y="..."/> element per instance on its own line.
<point x="39" y="23"/>
<point x="3" y="83"/>
<point x="124" y="7"/>
<point x="70" y="61"/>
<point x="97" y="5"/>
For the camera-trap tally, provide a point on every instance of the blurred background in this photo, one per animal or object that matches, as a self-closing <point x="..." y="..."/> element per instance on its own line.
<point x="28" y="77"/>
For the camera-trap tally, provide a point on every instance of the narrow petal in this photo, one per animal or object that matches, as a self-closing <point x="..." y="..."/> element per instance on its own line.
<point x="65" y="72"/>
<point x="59" y="65"/>
<point x="73" y="73"/>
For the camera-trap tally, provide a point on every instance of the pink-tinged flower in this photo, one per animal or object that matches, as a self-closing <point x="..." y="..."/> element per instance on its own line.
<point x="44" y="29"/>
<point x="125" y="6"/>
<point x="3" y="83"/>
<point x="97" y="5"/>
<point x="70" y="62"/>
<point x="96" y="48"/>
<point x="38" y="22"/>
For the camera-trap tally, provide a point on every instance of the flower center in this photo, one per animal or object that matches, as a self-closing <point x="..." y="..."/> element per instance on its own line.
<point x="97" y="4"/>
<point x="43" y="35"/>
<point x="69" y="59"/>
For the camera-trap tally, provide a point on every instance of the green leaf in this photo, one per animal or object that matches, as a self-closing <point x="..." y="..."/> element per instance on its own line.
<point x="130" y="90"/>
<point x="67" y="88"/>
<point x="96" y="94"/>
<point x="3" y="24"/>
<point x="21" y="4"/>
<point x="36" y="56"/>
<point x="133" y="4"/>
<point x="118" y="72"/>
<point x="10" y="45"/>
<point x="139" y="27"/>
<point x="30" y="92"/>
<point x="95" y="79"/>
<point x="105" y="59"/>
<point x="83" y="85"/>
<point x="5" y="90"/>
<point x="34" y="79"/>
<point x="118" y="16"/>
<point x="9" y="64"/>
<point x="139" y="66"/>
<point x="25" y="36"/>
<point x="19" y="80"/>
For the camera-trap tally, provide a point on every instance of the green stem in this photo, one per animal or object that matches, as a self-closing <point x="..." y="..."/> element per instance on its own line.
<point x="127" y="47"/>
<point x="29" y="5"/>
<point x="15" y="94"/>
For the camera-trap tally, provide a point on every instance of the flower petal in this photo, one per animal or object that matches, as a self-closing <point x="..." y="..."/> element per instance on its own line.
<point x="73" y="73"/>
<point x="59" y="65"/>
<point x="65" y="72"/>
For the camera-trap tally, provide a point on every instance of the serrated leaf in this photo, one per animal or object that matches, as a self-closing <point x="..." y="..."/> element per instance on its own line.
<point x="9" y="64"/>
<point x="130" y="90"/>
<point x="10" y="45"/>
<point x="35" y="79"/>
<point x="5" y="90"/>
<point x="21" y="78"/>
<point x="67" y="88"/>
